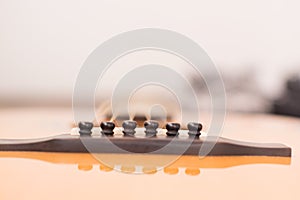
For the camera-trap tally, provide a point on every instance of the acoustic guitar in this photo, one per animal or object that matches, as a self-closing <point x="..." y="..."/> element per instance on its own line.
<point x="256" y="157"/>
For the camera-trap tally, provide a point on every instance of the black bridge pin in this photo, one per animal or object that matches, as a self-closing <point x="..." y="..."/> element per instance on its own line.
<point x="85" y="128"/>
<point x="129" y="127"/>
<point x="107" y="128"/>
<point x="151" y="127"/>
<point x="194" y="129"/>
<point x="172" y="129"/>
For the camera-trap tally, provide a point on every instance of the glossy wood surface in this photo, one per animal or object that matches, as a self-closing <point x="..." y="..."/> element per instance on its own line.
<point x="27" y="178"/>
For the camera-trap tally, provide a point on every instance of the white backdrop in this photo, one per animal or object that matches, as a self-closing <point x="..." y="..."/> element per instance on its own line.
<point x="44" y="43"/>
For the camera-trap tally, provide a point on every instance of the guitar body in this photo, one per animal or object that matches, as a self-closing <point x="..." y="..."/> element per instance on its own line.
<point x="58" y="175"/>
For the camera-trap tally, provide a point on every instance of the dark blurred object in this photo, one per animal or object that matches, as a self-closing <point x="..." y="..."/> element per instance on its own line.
<point x="289" y="102"/>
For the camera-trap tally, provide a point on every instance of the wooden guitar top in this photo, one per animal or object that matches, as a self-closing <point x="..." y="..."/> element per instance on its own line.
<point x="49" y="175"/>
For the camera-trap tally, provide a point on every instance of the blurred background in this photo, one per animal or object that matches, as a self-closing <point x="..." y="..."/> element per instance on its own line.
<point x="254" y="43"/>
